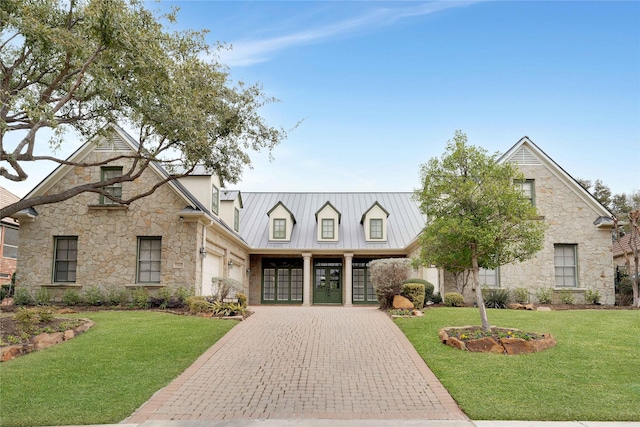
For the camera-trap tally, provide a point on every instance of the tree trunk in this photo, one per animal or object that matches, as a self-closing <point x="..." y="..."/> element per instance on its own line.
<point x="476" y="283"/>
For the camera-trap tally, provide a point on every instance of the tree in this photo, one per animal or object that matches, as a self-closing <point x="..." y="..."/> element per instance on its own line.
<point x="632" y="263"/>
<point x="477" y="215"/>
<point x="78" y="65"/>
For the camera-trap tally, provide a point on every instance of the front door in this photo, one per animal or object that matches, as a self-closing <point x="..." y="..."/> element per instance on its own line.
<point x="327" y="287"/>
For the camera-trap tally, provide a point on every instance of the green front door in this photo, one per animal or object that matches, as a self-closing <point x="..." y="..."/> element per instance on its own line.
<point x="327" y="287"/>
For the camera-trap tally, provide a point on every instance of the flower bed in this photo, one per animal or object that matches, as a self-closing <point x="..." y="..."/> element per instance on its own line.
<point x="498" y="340"/>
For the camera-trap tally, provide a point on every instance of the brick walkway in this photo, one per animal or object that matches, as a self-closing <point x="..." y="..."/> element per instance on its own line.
<point x="306" y="362"/>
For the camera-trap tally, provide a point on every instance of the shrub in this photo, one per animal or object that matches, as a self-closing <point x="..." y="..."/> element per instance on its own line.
<point x="544" y="295"/>
<point x="71" y="297"/>
<point x="399" y="312"/>
<point x="387" y="276"/>
<point x="566" y="297"/>
<point x="182" y="294"/>
<point x="28" y="319"/>
<point x="198" y="304"/>
<point x="6" y="291"/>
<point x="520" y="295"/>
<point x="22" y="296"/>
<point x="592" y="297"/>
<point x="242" y="299"/>
<point x="220" y="308"/>
<point x="93" y="296"/>
<point x="140" y="297"/>
<point x="117" y="297"/>
<point x="495" y="298"/>
<point x="453" y="299"/>
<point x="436" y="298"/>
<point x="43" y="296"/>
<point x="428" y="288"/>
<point x="415" y="293"/>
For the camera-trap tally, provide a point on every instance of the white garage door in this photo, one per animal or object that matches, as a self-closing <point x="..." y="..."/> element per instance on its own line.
<point x="211" y="268"/>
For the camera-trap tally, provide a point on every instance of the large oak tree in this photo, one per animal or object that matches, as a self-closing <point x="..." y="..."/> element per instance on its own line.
<point x="72" y="66"/>
<point x="476" y="214"/>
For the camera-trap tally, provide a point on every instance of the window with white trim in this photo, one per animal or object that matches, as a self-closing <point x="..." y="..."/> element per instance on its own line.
<point x="328" y="230"/>
<point x="115" y="189"/>
<point x="149" y="259"/>
<point x="279" y="228"/>
<point x="375" y="228"/>
<point x="566" y="265"/>
<point x="65" y="259"/>
<point x="215" y="199"/>
<point x="528" y="190"/>
<point x="10" y="242"/>
<point x="488" y="277"/>
<point x="236" y="219"/>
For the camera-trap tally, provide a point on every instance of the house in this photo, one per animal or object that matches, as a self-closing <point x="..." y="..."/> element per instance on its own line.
<point x="8" y="239"/>
<point x="285" y="248"/>
<point x="577" y="249"/>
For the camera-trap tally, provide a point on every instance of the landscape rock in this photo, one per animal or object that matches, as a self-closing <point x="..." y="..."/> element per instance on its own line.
<point x="7" y="301"/>
<point x="47" y="340"/>
<point x="402" y="303"/>
<point x="13" y="351"/>
<point x="485" y="345"/>
<point x="517" y="346"/>
<point x="418" y="313"/>
<point x="456" y="343"/>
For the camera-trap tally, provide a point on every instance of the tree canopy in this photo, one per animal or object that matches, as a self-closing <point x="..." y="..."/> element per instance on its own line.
<point x="74" y="66"/>
<point x="476" y="213"/>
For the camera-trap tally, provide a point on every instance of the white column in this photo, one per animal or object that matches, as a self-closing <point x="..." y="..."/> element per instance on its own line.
<point x="306" y="280"/>
<point x="348" y="280"/>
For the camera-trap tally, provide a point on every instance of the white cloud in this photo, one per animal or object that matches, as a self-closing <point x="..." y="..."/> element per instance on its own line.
<point x="248" y="52"/>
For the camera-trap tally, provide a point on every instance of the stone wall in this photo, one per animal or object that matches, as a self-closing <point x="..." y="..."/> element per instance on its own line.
<point x="107" y="237"/>
<point x="570" y="221"/>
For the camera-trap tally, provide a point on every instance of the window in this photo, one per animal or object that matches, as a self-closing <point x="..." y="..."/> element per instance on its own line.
<point x="236" y="219"/>
<point x="149" y="251"/>
<point x="375" y="228"/>
<point x="279" y="228"/>
<point x="282" y="281"/>
<point x="114" y="189"/>
<point x="327" y="228"/>
<point x="566" y="266"/>
<point x="10" y="243"/>
<point x="488" y="277"/>
<point x="215" y="199"/>
<point x="527" y="187"/>
<point x="65" y="259"/>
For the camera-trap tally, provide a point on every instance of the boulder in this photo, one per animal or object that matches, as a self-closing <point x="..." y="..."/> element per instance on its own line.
<point x="418" y="313"/>
<point x="517" y="346"/>
<point x="485" y="345"/>
<point x="456" y="343"/>
<point x="402" y="303"/>
<point x="45" y="340"/>
<point x="546" y="342"/>
<point x="13" y="351"/>
<point x="7" y="301"/>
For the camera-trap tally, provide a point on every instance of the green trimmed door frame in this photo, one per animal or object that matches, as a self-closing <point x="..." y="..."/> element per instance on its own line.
<point x="363" y="291"/>
<point x="327" y="283"/>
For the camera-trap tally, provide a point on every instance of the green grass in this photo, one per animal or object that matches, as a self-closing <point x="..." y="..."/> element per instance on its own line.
<point x="105" y="374"/>
<point x="592" y="374"/>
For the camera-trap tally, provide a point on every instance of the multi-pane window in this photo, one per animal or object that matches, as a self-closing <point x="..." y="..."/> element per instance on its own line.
<point x="566" y="265"/>
<point x="327" y="228"/>
<point x="114" y="189"/>
<point x="363" y="290"/>
<point x="65" y="259"/>
<point x="375" y="228"/>
<point x="488" y="277"/>
<point x="279" y="228"/>
<point x="282" y="281"/>
<point x="149" y="255"/>
<point x="528" y="190"/>
<point x="215" y="199"/>
<point x="236" y="219"/>
<point x="10" y="242"/>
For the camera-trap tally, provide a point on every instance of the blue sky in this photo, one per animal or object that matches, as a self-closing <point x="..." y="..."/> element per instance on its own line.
<point x="381" y="86"/>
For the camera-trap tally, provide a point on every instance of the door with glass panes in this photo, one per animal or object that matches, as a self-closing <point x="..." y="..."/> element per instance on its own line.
<point x="282" y="282"/>
<point x="363" y="291"/>
<point x="327" y="286"/>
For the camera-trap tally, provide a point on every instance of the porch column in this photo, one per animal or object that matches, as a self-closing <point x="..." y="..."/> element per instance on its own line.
<point x="306" y="280"/>
<point x="348" y="280"/>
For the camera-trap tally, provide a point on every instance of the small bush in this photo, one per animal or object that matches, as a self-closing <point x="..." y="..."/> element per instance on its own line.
<point x="428" y="288"/>
<point x="198" y="304"/>
<point x="93" y="296"/>
<point x="140" y="298"/>
<point x="117" y="297"/>
<point x="71" y="298"/>
<point x="220" y="308"/>
<point x="387" y="277"/>
<point x="242" y="299"/>
<point x="6" y="291"/>
<point x="183" y="293"/>
<point x="400" y="312"/>
<point x="453" y="299"/>
<point x="43" y="296"/>
<point x="520" y="295"/>
<point x="592" y="297"/>
<point x="566" y="297"/>
<point x="29" y="319"/>
<point x="415" y="293"/>
<point x="22" y="296"/>
<point x="436" y="298"/>
<point x="544" y="295"/>
<point x="495" y="298"/>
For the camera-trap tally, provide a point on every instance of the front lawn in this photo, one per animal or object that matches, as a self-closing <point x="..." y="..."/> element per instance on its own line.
<point x="592" y="374"/>
<point x="105" y="374"/>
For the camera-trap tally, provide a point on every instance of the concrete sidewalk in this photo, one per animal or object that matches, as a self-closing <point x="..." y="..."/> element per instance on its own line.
<point x="373" y="423"/>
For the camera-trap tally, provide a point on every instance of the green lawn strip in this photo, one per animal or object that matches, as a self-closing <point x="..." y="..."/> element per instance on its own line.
<point x="105" y="374"/>
<point x="592" y="374"/>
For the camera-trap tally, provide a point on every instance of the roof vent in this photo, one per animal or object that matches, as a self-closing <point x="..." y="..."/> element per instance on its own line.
<point x="524" y="157"/>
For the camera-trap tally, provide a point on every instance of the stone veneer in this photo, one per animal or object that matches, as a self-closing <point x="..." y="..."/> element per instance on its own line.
<point x="107" y="237"/>
<point x="570" y="221"/>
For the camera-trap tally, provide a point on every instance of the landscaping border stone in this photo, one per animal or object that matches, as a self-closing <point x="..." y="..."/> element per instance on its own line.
<point x="509" y="346"/>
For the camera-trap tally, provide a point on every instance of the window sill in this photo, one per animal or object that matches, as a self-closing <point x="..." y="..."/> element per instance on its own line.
<point x="145" y="285"/>
<point x="109" y="207"/>
<point x="570" y="288"/>
<point x="61" y="285"/>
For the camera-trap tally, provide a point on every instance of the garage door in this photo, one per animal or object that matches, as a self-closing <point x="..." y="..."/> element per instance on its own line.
<point x="211" y="268"/>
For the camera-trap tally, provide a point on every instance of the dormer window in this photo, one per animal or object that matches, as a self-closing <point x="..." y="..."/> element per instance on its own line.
<point x="281" y="222"/>
<point x="215" y="199"/>
<point x="374" y="222"/>
<point x="328" y="218"/>
<point x="236" y="219"/>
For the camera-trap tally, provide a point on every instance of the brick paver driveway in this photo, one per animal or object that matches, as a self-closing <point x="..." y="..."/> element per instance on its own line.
<point x="306" y="362"/>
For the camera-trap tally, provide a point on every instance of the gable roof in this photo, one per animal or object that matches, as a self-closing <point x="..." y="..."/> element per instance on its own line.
<point x="525" y="152"/>
<point x="371" y="207"/>
<point x="7" y="198"/>
<point x="328" y="203"/>
<point x="293" y="218"/>
<point x="231" y="195"/>
<point x="404" y="225"/>
<point x="622" y="246"/>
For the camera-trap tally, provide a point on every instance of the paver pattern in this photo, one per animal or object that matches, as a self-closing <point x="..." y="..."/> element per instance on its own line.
<point x="306" y="362"/>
